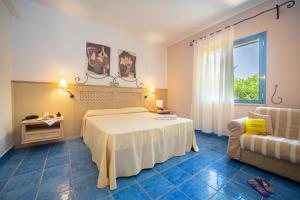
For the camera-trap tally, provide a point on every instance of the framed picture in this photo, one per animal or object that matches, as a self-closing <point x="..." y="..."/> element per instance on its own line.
<point x="98" y="58"/>
<point x="127" y="62"/>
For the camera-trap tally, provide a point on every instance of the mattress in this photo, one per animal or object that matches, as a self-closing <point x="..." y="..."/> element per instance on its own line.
<point x="125" y="141"/>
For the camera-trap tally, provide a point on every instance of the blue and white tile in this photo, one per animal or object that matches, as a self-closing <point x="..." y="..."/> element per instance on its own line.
<point x="157" y="186"/>
<point x="237" y="190"/>
<point x="283" y="193"/>
<point x="230" y="162"/>
<point x="175" y="194"/>
<point x="257" y="172"/>
<point x="223" y="170"/>
<point x="57" y="172"/>
<point x="57" y="160"/>
<point x="132" y="192"/>
<point x="286" y="184"/>
<point x="145" y="173"/>
<point x="211" y="178"/>
<point x="22" y="181"/>
<point x="56" y="188"/>
<point x="90" y="191"/>
<point x="30" y="166"/>
<point x="176" y="175"/>
<point x="196" y="189"/>
<point x="26" y="193"/>
<point x="160" y="167"/>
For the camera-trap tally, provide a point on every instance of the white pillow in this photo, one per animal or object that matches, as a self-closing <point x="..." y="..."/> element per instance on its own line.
<point x="101" y="112"/>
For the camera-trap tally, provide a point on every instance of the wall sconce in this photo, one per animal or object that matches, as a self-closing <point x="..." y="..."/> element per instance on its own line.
<point x="64" y="85"/>
<point x="151" y="91"/>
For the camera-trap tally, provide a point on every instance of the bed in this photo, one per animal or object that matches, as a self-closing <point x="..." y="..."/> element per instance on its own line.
<point x="125" y="141"/>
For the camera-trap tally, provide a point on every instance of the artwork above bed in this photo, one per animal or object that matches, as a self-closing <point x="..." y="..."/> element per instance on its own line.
<point x="98" y="57"/>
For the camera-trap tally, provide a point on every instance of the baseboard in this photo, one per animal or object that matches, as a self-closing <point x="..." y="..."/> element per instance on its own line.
<point x="9" y="148"/>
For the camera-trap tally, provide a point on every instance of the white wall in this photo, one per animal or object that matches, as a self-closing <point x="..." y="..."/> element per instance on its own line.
<point x="6" y="139"/>
<point x="49" y="45"/>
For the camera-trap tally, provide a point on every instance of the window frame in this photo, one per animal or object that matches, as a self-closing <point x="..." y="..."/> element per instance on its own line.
<point x="261" y="37"/>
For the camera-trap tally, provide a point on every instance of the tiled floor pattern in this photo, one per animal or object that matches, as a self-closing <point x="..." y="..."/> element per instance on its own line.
<point x="65" y="171"/>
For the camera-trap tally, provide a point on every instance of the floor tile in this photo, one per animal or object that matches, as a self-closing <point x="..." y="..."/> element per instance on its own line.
<point x="257" y="172"/>
<point x="27" y="193"/>
<point x="56" y="173"/>
<point x="56" y="188"/>
<point x="157" y="186"/>
<point x="6" y="172"/>
<point x="179" y="159"/>
<point x="223" y="170"/>
<point x="283" y="193"/>
<point x="145" y="173"/>
<point x="90" y="191"/>
<point x="196" y="189"/>
<point x="57" y="160"/>
<point x="215" y="176"/>
<point x="83" y="167"/>
<point x="58" y="150"/>
<point x="2" y="183"/>
<point x="124" y="182"/>
<point x="81" y="180"/>
<point x="220" y="196"/>
<point x="175" y="175"/>
<point x="160" y="167"/>
<point x="10" y="161"/>
<point x="286" y="184"/>
<point x="132" y="192"/>
<point x="22" y="181"/>
<point x="175" y="194"/>
<point x="236" y="190"/>
<point x="212" y="178"/>
<point x="230" y="162"/>
<point x="220" y="148"/>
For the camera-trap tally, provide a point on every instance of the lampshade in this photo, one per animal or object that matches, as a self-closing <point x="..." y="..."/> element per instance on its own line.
<point x="63" y="83"/>
<point x="159" y="103"/>
<point x="151" y="88"/>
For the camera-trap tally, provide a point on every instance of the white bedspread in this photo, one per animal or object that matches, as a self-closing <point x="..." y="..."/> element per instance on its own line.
<point x="124" y="144"/>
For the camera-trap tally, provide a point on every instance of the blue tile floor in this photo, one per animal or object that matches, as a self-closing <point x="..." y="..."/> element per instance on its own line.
<point x="65" y="170"/>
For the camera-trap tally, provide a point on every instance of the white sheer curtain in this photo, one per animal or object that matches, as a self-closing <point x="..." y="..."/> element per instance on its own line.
<point x="213" y="100"/>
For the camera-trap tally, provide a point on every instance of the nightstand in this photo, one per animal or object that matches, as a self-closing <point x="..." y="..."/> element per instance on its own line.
<point x="35" y="130"/>
<point x="162" y="112"/>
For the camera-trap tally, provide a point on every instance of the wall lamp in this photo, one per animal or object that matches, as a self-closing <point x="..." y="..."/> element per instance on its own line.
<point x="150" y="92"/>
<point x="64" y="85"/>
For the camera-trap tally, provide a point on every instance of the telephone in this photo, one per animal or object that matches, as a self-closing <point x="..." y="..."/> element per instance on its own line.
<point x="31" y="117"/>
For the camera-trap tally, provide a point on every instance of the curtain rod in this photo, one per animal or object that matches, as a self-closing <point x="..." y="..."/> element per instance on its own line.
<point x="289" y="4"/>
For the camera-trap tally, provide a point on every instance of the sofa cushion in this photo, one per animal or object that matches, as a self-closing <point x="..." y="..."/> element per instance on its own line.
<point x="285" y="121"/>
<point x="276" y="147"/>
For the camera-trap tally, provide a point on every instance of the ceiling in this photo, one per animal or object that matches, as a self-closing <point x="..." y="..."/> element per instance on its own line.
<point x="161" y="21"/>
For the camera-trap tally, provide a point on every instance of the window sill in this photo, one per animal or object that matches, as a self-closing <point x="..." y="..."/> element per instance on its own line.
<point x="249" y="104"/>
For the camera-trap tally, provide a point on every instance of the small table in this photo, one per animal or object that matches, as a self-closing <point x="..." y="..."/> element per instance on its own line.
<point x="35" y="130"/>
<point x="162" y="112"/>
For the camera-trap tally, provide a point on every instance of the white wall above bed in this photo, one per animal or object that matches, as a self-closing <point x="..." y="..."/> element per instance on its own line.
<point x="49" y="45"/>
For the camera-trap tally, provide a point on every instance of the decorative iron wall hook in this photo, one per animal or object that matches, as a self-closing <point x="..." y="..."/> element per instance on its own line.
<point x="279" y="98"/>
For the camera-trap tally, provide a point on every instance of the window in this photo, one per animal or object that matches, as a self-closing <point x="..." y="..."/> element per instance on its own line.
<point x="249" y="57"/>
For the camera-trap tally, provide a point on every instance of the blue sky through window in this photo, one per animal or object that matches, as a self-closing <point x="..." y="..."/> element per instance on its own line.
<point x="246" y="58"/>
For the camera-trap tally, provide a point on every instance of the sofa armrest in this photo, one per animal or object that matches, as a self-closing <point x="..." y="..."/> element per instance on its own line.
<point x="236" y="129"/>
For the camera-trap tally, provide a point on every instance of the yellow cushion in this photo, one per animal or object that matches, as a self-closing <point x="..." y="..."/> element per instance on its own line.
<point x="256" y="126"/>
